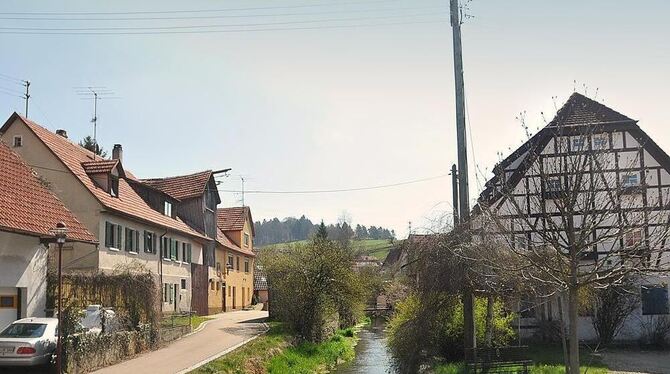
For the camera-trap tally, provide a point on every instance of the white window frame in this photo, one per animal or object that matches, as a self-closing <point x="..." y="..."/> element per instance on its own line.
<point x="632" y="237"/>
<point x="625" y="181"/>
<point x="600" y="142"/>
<point x="167" y="208"/>
<point x="247" y="239"/>
<point x="551" y="184"/>
<point x="578" y="144"/>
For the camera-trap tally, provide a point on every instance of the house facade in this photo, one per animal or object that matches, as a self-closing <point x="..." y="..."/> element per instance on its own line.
<point x="623" y="184"/>
<point x="236" y="248"/>
<point x="135" y="225"/>
<point x="197" y="198"/>
<point x="28" y="211"/>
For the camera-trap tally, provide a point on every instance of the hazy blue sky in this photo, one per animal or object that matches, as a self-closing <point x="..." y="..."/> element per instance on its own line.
<point x="330" y="108"/>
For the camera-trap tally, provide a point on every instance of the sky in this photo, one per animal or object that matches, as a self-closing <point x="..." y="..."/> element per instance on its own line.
<point x="321" y="95"/>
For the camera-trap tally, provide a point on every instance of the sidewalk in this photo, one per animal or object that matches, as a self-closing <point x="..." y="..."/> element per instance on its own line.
<point x="225" y="331"/>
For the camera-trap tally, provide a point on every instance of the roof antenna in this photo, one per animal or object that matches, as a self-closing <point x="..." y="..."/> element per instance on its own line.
<point x="96" y="93"/>
<point x="242" y="178"/>
<point x="596" y="96"/>
<point x="574" y="85"/>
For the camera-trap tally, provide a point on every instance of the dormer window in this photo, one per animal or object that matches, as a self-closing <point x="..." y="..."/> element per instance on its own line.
<point x="114" y="185"/>
<point x="167" y="208"/>
<point x="246" y="239"/>
<point x="18" y="141"/>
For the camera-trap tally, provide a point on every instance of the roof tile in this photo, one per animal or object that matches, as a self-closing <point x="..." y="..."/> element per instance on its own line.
<point x="27" y="205"/>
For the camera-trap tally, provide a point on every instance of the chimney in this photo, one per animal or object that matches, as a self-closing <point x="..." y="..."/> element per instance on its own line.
<point x="62" y="133"/>
<point x="117" y="152"/>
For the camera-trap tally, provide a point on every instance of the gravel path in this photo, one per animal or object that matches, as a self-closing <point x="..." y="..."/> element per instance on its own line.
<point x="637" y="362"/>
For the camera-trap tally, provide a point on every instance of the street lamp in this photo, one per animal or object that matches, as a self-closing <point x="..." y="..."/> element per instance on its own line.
<point x="60" y="233"/>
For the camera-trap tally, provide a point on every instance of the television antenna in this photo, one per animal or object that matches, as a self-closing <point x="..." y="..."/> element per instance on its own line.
<point x="96" y="93"/>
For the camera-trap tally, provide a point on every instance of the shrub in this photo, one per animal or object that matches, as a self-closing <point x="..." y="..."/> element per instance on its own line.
<point x="655" y="331"/>
<point x="612" y="306"/>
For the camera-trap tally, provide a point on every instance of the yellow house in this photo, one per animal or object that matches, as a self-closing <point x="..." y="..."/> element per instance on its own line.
<point x="233" y="286"/>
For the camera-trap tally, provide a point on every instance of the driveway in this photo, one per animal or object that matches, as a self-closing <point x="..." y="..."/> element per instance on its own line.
<point x="631" y="361"/>
<point x="220" y="334"/>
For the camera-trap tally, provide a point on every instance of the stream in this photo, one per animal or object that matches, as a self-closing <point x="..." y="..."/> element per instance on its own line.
<point x="372" y="355"/>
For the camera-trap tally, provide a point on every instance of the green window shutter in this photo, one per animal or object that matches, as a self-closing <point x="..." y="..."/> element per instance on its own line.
<point x="137" y="241"/>
<point x="176" y="250"/>
<point x="119" y="237"/>
<point x="190" y="253"/>
<point x="109" y="234"/>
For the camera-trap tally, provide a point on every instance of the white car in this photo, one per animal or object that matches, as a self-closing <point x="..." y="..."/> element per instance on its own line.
<point x="28" y="342"/>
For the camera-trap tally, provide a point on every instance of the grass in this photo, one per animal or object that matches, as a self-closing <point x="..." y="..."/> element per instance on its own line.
<point x="546" y="360"/>
<point x="274" y="353"/>
<point x="183" y="321"/>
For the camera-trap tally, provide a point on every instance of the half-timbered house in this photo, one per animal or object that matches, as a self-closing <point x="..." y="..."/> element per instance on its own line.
<point x="622" y="182"/>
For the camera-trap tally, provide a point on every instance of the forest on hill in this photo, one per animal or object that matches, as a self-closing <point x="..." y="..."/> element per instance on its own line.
<point x="292" y="229"/>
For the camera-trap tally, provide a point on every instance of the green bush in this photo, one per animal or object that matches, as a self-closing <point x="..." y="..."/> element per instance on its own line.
<point x="422" y="328"/>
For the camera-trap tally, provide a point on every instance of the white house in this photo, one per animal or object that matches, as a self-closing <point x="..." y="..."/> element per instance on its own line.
<point x="28" y="210"/>
<point x="625" y="183"/>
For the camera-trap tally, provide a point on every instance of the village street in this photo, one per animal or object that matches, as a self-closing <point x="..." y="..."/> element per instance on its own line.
<point x="219" y="335"/>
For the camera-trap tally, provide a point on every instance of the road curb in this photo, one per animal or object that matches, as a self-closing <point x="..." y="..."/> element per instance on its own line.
<point x="224" y="352"/>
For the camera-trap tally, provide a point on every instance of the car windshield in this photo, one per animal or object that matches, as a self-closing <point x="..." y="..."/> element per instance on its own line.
<point x="24" y="330"/>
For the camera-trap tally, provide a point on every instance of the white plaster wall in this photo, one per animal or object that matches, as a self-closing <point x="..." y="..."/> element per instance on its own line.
<point x="24" y="265"/>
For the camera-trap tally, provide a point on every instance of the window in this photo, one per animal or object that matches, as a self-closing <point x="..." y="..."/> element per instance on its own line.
<point x="218" y="286"/>
<point x="173" y="249"/>
<point x="165" y="247"/>
<point x="237" y="259"/>
<point x="600" y="142"/>
<point x="246" y="265"/>
<point x="218" y="267"/>
<point x="24" y="330"/>
<point x="132" y="240"/>
<point x="114" y="185"/>
<point x="230" y="261"/>
<point x="8" y="301"/>
<point x="18" y="141"/>
<point x="113" y="235"/>
<point x="246" y="239"/>
<point x="183" y="284"/>
<point x="229" y="291"/>
<point x="186" y="252"/>
<point x="149" y="242"/>
<point x="654" y="300"/>
<point x="630" y="180"/>
<point x="632" y="238"/>
<point x="166" y="292"/>
<point x="578" y="144"/>
<point x="553" y="185"/>
<point x="177" y="249"/>
<point x="167" y="208"/>
<point x="211" y="285"/>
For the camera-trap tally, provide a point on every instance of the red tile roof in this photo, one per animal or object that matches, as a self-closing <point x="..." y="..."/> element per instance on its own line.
<point x="232" y="219"/>
<point x="128" y="203"/>
<point x="100" y="166"/>
<point x="225" y="241"/>
<point x="26" y="204"/>
<point x="183" y="186"/>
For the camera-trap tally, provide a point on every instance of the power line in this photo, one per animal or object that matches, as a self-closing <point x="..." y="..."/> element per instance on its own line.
<point x="10" y="78"/>
<point x="186" y="27"/>
<point x="198" y="10"/>
<point x="218" y="16"/>
<point x="353" y="26"/>
<point x="340" y="189"/>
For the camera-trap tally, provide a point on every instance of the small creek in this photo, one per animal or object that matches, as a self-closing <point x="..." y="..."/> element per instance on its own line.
<point x="372" y="354"/>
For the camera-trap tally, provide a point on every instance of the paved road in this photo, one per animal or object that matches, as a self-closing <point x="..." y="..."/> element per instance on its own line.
<point x="220" y="334"/>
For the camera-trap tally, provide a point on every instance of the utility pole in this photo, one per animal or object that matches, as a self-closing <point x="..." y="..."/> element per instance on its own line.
<point x="454" y="189"/>
<point x="95" y="122"/>
<point x="464" y="198"/>
<point x="26" y="96"/>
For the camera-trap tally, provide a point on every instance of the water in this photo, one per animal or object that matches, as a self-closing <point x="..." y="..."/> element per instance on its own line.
<point x="372" y="355"/>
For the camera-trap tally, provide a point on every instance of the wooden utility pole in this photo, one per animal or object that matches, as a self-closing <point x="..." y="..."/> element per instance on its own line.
<point x="464" y="198"/>
<point x="26" y="96"/>
<point x="454" y="190"/>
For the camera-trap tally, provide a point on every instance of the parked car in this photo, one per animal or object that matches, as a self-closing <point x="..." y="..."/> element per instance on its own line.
<point x="28" y="342"/>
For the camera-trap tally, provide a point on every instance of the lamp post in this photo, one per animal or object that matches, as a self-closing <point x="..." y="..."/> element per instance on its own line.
<point x="60" y="233"/>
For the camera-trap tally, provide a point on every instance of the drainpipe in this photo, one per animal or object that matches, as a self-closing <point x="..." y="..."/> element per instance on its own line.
<point x="160" y="266"/>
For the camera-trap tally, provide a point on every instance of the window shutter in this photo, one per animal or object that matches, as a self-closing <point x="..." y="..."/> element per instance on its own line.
<point x="109" y="234"/>
<point x="119" y="237"/>
<point x="189" y="253"/>
<point x="176" y="250"/>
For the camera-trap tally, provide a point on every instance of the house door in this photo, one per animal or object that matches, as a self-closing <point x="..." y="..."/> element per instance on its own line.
<point x="234" y="305"/>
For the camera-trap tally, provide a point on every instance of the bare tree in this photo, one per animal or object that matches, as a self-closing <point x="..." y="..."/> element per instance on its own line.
<point x="578" y="205"/>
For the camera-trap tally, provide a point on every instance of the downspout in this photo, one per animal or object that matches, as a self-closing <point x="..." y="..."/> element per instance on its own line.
<point x="160" y="266"/>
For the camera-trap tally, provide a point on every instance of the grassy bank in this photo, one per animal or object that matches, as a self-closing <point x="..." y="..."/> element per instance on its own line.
<point x="274" y="352"/>
<point x="546" y="360"/>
